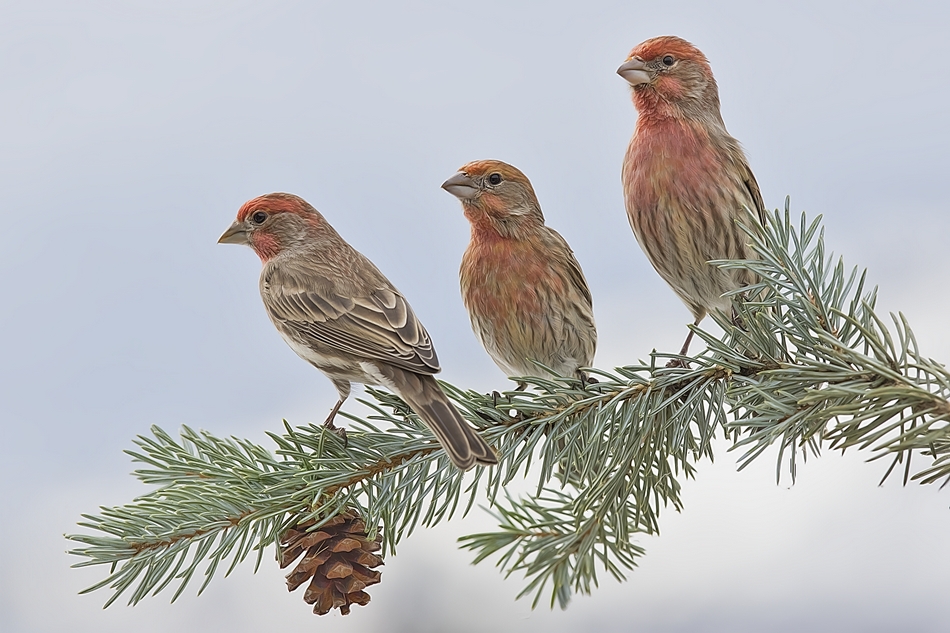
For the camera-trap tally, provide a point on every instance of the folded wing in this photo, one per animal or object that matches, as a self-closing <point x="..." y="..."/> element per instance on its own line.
<point x="377" y="325"/>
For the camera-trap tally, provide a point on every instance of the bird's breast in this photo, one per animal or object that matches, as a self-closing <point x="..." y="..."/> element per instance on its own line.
<point x="683" y="191"/>
<point x="672" y="161"/>
<point x="502" y="279"/>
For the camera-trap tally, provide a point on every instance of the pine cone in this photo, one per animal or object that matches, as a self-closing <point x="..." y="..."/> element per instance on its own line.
<point x="338" y="562"/>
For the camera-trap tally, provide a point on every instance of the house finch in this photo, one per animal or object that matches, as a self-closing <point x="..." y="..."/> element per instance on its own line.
<point x="685" y="179"/>
<point x="525" y="292"/>
<point x="341" y="315"/>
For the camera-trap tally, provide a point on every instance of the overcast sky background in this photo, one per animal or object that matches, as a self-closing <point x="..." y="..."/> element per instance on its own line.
<point x="130" y="133"/>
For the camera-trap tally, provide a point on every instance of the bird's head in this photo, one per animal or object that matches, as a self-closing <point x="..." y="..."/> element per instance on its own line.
<point x="493" y="190"/>
<point x="668" y="73"/>
<point x="275" y="222"/>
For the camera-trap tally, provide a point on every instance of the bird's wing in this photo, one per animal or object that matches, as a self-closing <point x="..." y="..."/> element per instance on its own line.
<point x="574" y="268"/>
<point x="379" y="325"/>
<point x="577" y="277"/>
<point x="755" y="194"/>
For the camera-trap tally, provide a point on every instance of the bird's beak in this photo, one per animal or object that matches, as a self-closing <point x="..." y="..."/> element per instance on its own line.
<point x="635" y="72"/>
<point x="234" y="235"/>
<point x="461" y="186"/>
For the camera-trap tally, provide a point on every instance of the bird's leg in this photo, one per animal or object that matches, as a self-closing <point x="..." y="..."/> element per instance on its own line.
<point x="329" y="421"/>
<point x="330" y="426"/>
<point x="689" y="338"/>
<point x="676" y="362"/>
<point x="521" y="386"/>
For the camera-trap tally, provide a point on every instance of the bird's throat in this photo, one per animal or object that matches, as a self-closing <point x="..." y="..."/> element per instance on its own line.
<point x="266" y="245"/>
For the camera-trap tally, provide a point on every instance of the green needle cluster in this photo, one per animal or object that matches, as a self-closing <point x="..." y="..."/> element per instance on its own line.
<point x="805" y="363"/>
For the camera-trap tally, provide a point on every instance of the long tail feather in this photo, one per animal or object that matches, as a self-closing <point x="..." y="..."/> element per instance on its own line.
<point x="421" y="392"/>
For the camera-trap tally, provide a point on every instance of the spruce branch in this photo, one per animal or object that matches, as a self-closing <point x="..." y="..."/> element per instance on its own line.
<point x="805" y="363"/>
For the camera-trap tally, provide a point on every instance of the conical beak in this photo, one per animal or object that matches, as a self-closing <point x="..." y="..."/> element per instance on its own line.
<point x="635" y="72"/>
<point x="461" y="186"/>
<point x="234" y="235"/>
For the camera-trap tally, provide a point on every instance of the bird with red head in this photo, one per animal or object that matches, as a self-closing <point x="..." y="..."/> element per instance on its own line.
<point x="338" y="312"/>
<point x="525" y="293"/>
<point x="686" y="180"/>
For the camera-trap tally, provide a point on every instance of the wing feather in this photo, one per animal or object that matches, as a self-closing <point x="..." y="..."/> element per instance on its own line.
<point x="756" y="194"/>
<point x="379" y="325"/>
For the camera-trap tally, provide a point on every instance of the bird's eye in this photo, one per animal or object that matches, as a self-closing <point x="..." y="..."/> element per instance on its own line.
<point x="494" y="179"/>
<point x="668" y="60"/>
<point x="259" y="217"/>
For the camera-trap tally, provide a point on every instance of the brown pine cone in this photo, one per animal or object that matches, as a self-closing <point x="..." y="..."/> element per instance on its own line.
<point x="338" y="562"/>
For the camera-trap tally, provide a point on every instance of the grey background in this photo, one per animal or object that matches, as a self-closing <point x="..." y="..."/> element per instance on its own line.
<point x="130" y="133"/>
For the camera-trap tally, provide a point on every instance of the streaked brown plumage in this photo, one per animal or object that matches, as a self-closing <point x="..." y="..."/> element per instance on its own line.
<point x="685" y="179"/>
<point x="524" y="290"/>
<point x="339" y="313"/>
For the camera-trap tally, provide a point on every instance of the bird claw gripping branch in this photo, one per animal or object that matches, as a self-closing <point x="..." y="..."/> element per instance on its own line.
<point x="338" y="561"/>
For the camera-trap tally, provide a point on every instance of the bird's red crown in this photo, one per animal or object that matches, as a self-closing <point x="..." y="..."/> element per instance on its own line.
<point x="274" y="203"/>
<point x="668" y="45"/>
<point x="482" y="167"/>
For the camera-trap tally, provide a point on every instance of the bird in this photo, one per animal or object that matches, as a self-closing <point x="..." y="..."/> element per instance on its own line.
<point x="686" y="180"/>
<point x="524" y="290"/>
<point x="339" y="313"/>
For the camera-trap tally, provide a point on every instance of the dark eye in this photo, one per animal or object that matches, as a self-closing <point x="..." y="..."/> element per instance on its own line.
<point x="494" y="179"/>
<point x="259" y="217"/>
<point x="668" y="60"/>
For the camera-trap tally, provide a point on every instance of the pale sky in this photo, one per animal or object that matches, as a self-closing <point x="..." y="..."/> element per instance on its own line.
<point x="130" y="133"/>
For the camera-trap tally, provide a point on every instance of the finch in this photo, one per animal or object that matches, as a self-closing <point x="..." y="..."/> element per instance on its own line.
<point x="340" y="314"/>
<point x="686" y="181"/>
<point x="524" y="290"/>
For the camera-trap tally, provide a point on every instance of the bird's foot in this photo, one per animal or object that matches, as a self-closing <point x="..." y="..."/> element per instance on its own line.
<point x="339" y="431"/>
<point x="496" y="397"/>
<point x="676" y="362"/>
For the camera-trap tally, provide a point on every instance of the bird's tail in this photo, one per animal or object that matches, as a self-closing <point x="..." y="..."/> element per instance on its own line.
<point x="422" y="393"/>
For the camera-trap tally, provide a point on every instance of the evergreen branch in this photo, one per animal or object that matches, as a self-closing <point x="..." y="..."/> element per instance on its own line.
<point x="839" y="378"/>
<point x="549" y="540"/>
<point x="804" y="363"/>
